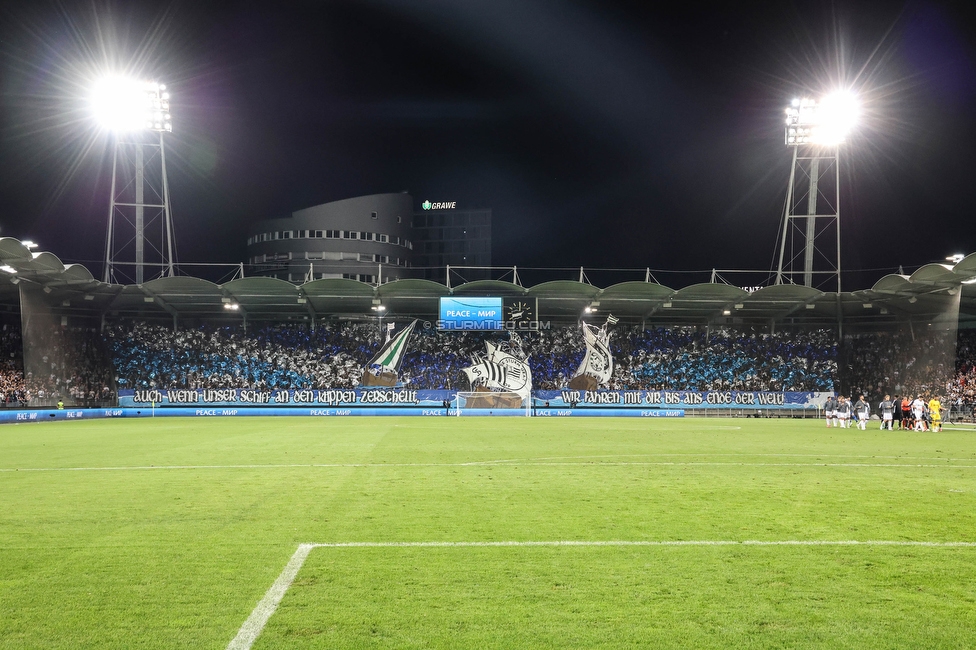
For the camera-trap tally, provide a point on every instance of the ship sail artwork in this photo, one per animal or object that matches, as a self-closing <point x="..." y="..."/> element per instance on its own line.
<point x="504" y="368"/>
<point x="383" y="367"/>
<point x="597" y="366"/>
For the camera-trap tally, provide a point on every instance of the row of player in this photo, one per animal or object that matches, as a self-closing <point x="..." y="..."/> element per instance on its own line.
<point x="916" y="414"/>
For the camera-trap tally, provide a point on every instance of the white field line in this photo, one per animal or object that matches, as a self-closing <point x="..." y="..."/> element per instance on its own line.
<point x="686" y="454"/>
<point x="947" y="464"/>
<point x="721" y="542"/>
<point x="254" y="625"/>
<point x="266" y="606"/>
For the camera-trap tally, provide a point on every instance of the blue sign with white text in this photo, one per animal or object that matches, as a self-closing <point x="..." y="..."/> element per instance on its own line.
<point x="471" y="313"/>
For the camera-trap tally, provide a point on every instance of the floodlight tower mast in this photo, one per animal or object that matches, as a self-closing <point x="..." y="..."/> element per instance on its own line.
<point x="809" y="251"/>
<point x="138" y="114"/>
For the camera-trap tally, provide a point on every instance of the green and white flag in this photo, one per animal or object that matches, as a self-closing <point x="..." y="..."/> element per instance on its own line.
<point x="391" y="354"/>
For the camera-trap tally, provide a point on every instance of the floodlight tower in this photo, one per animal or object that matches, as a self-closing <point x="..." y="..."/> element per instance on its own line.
<point x="137" y="112"/>
<point x="810" y="244"/>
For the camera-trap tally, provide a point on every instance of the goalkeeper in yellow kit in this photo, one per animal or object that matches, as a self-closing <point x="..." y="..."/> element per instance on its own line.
<point x="935" y="411"/>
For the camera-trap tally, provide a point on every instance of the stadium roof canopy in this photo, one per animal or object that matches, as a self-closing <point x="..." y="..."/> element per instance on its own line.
<point x="71" y="290"/>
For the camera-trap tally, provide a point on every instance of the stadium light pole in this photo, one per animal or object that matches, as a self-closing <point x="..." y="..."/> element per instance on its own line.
<point x="815" y="130"/>
<point x="128" y="107"/>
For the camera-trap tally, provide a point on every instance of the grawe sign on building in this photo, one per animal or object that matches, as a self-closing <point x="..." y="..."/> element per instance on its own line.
<point x="444" y="205"/>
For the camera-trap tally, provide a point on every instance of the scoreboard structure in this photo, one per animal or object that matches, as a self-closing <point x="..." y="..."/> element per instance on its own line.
<point x="487" y="313"/>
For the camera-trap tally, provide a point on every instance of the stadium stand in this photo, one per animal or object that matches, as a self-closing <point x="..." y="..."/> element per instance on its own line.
<point x="688" y="358"/>
<point x="71" y="364"/>
<point x="13" y="387"/>
<point x="83" y="367"/>
<point x="961" y="392"/>
<point x="894" y="363"/>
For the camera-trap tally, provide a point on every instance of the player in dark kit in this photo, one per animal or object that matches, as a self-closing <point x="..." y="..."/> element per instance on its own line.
<point x="887" y="408"/>
<point x="863" y="412"/>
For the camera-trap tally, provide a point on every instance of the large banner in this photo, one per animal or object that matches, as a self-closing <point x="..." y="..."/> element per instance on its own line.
<point x="405" y="397"/>
<point x="684" y="399"/>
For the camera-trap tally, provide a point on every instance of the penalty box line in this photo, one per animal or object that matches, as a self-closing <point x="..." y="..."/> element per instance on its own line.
<point x="267" y="606"/>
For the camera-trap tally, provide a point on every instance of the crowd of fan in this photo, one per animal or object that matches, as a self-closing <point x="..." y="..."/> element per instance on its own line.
<point x="962" y="388"/>
<point x="289" y="356"/>
<point x="70" y="364"/>
<point x="13" y="386"/>
<point x="276" y="356"/>
<point x="689" y="358"/>
<point x="67" y="365"/>
<point x="81" y="366"/>
<point x="912" y="364"/>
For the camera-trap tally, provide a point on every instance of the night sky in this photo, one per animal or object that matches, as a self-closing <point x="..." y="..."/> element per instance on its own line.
<point x="601" y="134"/>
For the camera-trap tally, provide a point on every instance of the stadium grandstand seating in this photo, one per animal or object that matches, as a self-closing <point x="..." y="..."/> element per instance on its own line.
<point x="69" y="364"/>
<point x="82" y="366"/>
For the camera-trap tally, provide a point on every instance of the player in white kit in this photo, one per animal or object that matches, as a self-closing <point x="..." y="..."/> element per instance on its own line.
<point x="918" y="412"/>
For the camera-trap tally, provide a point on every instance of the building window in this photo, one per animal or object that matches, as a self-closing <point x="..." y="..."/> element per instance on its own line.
<point x="384" y="238"/>
<point x="373" y="215"/>
<point x="399" y="219"/>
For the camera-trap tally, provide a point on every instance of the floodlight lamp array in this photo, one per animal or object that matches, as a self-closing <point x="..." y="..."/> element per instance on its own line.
<point x="127" y="105"/>
<point x="159" y="101"/>
<point x="826" y="123"/>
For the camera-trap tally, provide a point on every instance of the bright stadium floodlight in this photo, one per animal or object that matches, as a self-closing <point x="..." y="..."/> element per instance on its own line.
<point x="819" y="127"/>
<point x="122" y="105"/>
<point x="826" y="123"/>
<point x="137" y="109"/>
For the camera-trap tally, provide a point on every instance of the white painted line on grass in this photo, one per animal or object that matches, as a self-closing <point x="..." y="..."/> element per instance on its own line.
<point x="255" y="623"/>
<point x="694" y="542"/>
<point x="252" y="627"/>
<point x="731" y="463"/>
<point x="720" y="455"/>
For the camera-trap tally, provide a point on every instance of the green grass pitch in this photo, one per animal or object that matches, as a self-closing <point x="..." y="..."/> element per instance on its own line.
<point x="166" y="533"/>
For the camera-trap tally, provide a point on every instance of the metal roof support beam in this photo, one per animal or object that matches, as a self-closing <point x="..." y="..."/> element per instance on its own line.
<point x="797" y="307"/>
<point x="720" y="313"/>
<point x="308" y="305"/>
<point x="111" y="304"/>
<point x="162" y="303"/>
<point x="659" y="306"/>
